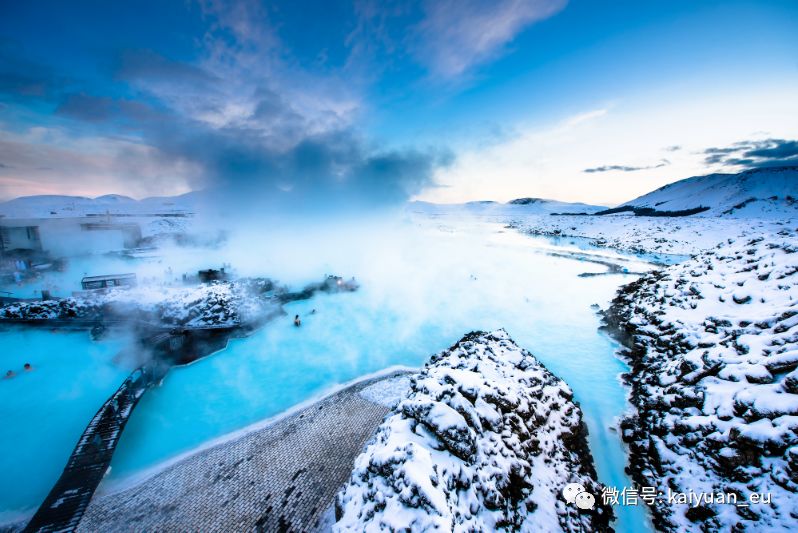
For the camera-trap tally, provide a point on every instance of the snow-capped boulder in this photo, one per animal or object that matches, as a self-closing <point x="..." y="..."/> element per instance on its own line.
<point x="486" y="439"/>
<point x="713" y="346"/>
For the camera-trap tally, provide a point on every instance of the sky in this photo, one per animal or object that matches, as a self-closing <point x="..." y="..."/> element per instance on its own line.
<point x="372" y="103"/>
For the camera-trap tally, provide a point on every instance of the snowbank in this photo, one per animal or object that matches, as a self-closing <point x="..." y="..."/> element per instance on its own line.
<point x="713" y="345"/>
<point x="485" y="439"/>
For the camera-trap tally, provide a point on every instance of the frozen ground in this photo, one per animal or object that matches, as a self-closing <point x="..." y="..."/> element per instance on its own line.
<point x="486" y="439"/>
<point x="714" y="352"/>
<point x="681" y="236"/>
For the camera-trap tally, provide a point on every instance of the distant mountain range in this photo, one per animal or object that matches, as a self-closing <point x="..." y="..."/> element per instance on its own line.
<point x="52" y="206"/>
<point x="528" y="206"/>
<point x="764" y="192"/>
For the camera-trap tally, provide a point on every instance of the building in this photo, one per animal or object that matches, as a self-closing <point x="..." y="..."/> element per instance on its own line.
<point x="64" y="237"/>
<point x="20" y="238"/>
<point x="90" y="283"/>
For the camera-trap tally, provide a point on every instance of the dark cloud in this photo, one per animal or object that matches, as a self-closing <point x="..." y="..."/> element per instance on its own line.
<point x="104" y="109"/>
<point x="22" y="79"/>
<point x="331" y="170"/>
<point x="624" y="168"/>
<point x="85" y="107"/>
<point x="149" y="65"/>
<point x="754" y="154"/>
<point x="241" y="119"/>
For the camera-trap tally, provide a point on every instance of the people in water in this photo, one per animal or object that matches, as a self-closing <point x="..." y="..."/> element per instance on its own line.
<point x="10" y="373"/>
<point x="297" y="321"/>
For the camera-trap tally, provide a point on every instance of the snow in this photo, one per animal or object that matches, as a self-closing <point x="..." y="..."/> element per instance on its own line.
<point x="765" y="192"/>
<point x="486" y="438"/>
<point x="519" y="206"/>
<point x="232" y="303"/>
<point x="58" y="206"/>
<point x="388" y="392"/>
<point x="713" y="352"/>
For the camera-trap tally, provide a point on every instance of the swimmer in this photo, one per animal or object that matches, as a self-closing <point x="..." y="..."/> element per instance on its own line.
<point x="297" y="322"/>
<point x="27" y="367"/>
<point x="10" y="374"/>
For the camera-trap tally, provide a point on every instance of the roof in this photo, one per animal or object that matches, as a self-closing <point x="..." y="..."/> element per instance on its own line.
<point x="107" y="277"/>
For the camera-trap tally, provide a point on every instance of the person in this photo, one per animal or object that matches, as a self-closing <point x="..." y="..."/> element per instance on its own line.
<point x="9" y="374"/>
<point x="27" y="367"/>
<point x="297" y="322"/>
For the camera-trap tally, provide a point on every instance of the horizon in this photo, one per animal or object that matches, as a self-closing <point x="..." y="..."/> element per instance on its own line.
<point x="570" y="101"/>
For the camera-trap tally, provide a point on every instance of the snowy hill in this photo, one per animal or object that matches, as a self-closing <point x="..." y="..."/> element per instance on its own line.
<point x="46" y="206"/>
<point x="520" y="206"/>
<point x="757" y="192"/>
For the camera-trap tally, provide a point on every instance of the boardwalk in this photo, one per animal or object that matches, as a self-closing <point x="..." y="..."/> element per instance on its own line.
<point x="279" y="478"/>
<point x="64" y="506"/>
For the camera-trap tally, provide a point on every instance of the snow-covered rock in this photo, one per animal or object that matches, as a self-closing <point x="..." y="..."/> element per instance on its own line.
<point x="485" y="440"/>
<point x="229" y="303"/>
<point x="713" y="346"/>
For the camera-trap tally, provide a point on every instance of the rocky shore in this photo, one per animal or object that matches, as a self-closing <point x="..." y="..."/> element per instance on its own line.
<point x="713" y="349"/>
<point x="486" y="439"/>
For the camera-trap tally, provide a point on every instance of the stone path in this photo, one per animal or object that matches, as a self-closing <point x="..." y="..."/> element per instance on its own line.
<point x="280" y="478"/>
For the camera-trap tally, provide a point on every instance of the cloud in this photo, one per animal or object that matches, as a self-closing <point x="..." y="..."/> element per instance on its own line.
<point x="624" y="168"/>
<point x="456" y="35"/>
<point x="241" y="118"/>
<point x="22" y="79"/>
<point x="754" y="154"/>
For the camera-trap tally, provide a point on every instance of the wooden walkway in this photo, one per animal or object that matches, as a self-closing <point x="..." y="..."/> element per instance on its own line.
<point x="64" y="506"/>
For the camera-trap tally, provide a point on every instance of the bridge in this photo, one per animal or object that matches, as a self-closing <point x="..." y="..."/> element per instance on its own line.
<point x="64" y="506"/>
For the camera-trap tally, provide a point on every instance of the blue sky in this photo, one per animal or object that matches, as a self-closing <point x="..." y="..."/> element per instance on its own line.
<point x="377" y="102"/>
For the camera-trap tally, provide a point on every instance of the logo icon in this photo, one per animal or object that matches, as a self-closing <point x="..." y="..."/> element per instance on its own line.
<point x="575" y="493"/>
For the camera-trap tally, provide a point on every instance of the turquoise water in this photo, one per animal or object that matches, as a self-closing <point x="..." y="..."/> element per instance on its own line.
<point x="422" y="289"/>
<point x="43" y="412"/>
<point x="424" y="302"/>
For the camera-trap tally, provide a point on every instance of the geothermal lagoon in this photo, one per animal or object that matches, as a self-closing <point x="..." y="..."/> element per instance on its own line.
<point x="423" y="286"/>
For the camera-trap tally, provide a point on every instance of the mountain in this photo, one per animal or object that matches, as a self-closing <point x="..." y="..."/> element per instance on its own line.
<point x="519" y="206"/>
<point x="757" y="192"/>
<point x="56" y="206"/>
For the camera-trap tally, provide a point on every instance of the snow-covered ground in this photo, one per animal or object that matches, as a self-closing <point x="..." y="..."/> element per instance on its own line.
<point x="714" y="352"/>
<point x="486" y="439"/>
<point x="650" y="235"/>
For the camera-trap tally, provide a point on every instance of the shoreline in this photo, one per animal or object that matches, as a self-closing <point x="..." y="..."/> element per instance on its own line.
<point x="135" y="479"/>
<point x="282" y="472"/>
